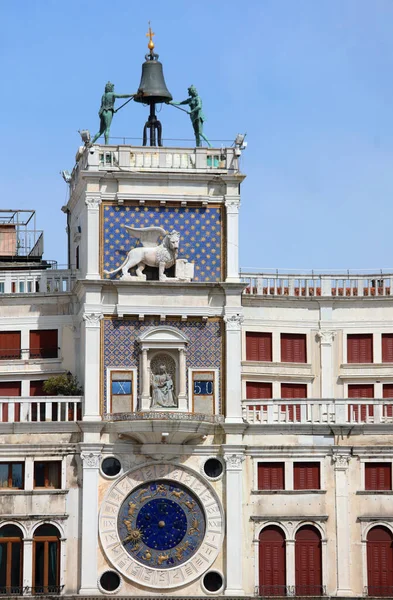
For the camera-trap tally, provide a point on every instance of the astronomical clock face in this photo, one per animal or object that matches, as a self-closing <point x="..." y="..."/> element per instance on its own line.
<point x="161" y="526"/>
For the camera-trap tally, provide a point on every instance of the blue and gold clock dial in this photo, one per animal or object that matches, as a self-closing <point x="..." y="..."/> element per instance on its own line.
<point x="161" y="524"/>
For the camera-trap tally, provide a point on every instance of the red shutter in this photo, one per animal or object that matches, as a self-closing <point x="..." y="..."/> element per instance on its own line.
<point x="380" y="562"/>
<point x="378" y="476"/>
<point x="306" y="476"/>
<point x="360" y="348"/>
<point x="363" y="390"/>
<point x="37" y="388"/>
<point x="293" y="347"/>
<point x="272" y="567"/>
<point x="43" y="343"/>
<point x="293" y="390"/>
<point x="255" y="390"/>
<point x="258" y="346"/>
<point x="10" y="344"/>
<point x="388" y="393"/>
<point x="271" y="476"/>
<point x="10" y="388"/>
<point x="387" y="347"/>
<point x="308" y="562"/>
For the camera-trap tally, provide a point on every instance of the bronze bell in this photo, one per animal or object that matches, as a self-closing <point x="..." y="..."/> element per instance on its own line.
<point x="152" y="88"/>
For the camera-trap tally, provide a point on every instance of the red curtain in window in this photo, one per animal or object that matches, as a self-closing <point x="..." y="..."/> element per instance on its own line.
<point x="293" y="347"/>
<point x="308" y="562"/>
<point x="10" y="345"/>
<point x="378" y="476"/>
<point x="363" y="390"/>
<point x="258" y="346"/>
<point x="272" y="562"/>
<point x="387" y="347"/>
<point x="306" y="476"/>
<point x="360" y="348"/>
<point x="380" y="562"/>
<point x="10" y="388"/>
<point x="271" y="476"/>
<point x="43" y="343"/>
<point x="293" y="390"/>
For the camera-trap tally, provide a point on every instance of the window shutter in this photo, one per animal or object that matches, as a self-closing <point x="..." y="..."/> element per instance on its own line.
<point x="255" y="390"/>
<point x="363" y="390"/>
<point x="293" y="390"/>
<point x="271" y="476"/>
<point x="293" y="347"/>
<point x="43" y="343"/>
<point x="387" y="347"/>
<point x="387" y="393"/>
<point x="10" y="388"/>
<point x="306" y="476"/>
<point x="37" y="388"/>
<point x="378" y="476"/>
<point x="258" y="346"/>
<point x="360" y="348"/>
<point x="10" y="344"/>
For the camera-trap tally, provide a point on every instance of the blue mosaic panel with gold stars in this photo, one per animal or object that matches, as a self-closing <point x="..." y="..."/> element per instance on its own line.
<point x="121" y="348"/>
<point x="161" y="524"/>
<point x="200" y="235"/>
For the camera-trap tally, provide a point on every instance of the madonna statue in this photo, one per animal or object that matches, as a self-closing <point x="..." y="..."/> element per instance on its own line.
<point x="163" y="393"/>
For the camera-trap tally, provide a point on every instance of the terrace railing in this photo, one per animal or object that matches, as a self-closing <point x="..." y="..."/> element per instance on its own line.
<point x="18" y="409"/>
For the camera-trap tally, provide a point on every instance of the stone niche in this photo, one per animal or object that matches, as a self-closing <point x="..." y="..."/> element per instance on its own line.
<point x="162" y="369"/>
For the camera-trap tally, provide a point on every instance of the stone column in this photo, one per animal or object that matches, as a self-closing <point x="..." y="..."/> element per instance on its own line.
<point x="234" y="518"/>
<point x="145" y="398"/>
<point x="89" y="521"/>
<point x="92" y="237"/>
<point x="327" y="371"/>
<point x="233" y="412"/>
<point x="27" y="562"/>
<point x="92" y="342"/>
<point x="232" y="204"/>
<point x="182" y="380"/>
<point x="290" y="559"/>
<point x="341" y="463"/>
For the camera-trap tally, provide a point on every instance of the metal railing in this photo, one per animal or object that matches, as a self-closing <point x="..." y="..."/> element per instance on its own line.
<point x="340" y="285"/>
<point x="269" y="591"/>
<point x="40" y="590"/>
<point x="345" y="411"/>
<point x="28" y="353"/>
<point x="13" y="590"/>
<point x="31" y="409"/>
<point x="379" y="591"/>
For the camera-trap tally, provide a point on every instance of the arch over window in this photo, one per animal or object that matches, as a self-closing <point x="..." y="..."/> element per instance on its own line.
<point x="308" y="562"/>
<point x="272" y="564"/>
<point x="46" y="560"/>
<point x="380" y="562"/>
<point x="11" y="559"/>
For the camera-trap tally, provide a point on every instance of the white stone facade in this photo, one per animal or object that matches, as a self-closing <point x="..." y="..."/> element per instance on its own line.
<point x="297" y="458"/>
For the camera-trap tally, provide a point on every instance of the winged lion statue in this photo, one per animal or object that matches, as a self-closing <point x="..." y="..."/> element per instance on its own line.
<point x="151" y="253"/>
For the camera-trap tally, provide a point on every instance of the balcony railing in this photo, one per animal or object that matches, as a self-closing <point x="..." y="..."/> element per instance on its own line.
<point x="379" y="591"/>
<point x="26" y="353"/>
<point x="18" y="409"/>
<point x="269" y="591"/>
<point x="340" y="285"/>
<point x="29" y="282"/>
<point x="318" y="411"/>
<point x="50" y="590"/>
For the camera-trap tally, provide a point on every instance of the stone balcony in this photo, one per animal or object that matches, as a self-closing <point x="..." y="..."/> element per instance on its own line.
<point x="39" y="409"/>
<point x="48" y="281"/>
<point x="308" y="285"/>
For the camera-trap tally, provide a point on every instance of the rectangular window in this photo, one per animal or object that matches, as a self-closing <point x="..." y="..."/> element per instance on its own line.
<point x="271" y="476"/>
<point x="378" y="476"/>
<point x="360" y="412"/>
<point x="11" y="475"/>
<point x="1" y="287"/>
<point x="256" y="390"/>
<point x="259" y="346"/>
<point x="293" y="348"/>
<point x="203" y="392"/>
<point x="47" y="474"/>
<point x="10" y="388"/>
<point x="121" y="391"/>
<point x="387" y="347"/>
<point x="360" y="348"/>
<point x="306" y="476"/>
<point x="43" y="343"/>
<point x="9" y="345"/>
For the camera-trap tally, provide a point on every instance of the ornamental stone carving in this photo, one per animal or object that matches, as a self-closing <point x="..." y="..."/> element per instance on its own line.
<point x="91" y="459"/>
<point x="326" y="336"/>
<point x="234" y="461"/>
<point x="341" y="461"/>
<point x="93" y="203"/>
<point x="92" y="319"/>
<point x="233" y="322"/>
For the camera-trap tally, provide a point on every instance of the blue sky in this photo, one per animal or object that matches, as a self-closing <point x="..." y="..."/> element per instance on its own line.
<point x="310" y="81"/>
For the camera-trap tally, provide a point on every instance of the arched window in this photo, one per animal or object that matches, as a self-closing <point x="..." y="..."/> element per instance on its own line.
<point x="380" y="562"/>
<point x="272" y="572"/>
<point x="11" y="560"/>
<point x="46" y="560"/>
<point x="308" y="562"/>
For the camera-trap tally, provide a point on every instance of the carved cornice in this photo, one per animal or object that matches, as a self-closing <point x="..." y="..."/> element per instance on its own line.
<point x="326" y="336"/>
<point x="233" y="322"/>
<point x="91" y="459"/>
<point x="234" y="461"/>
<point x="92" y="319"/>
<point x="341" y="461"/>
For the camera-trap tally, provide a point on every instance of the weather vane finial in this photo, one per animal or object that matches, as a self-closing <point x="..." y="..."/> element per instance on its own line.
<point x="150" y="34"/>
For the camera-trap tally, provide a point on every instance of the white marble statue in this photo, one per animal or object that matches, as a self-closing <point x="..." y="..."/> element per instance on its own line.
<point x="163" y="395"/>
